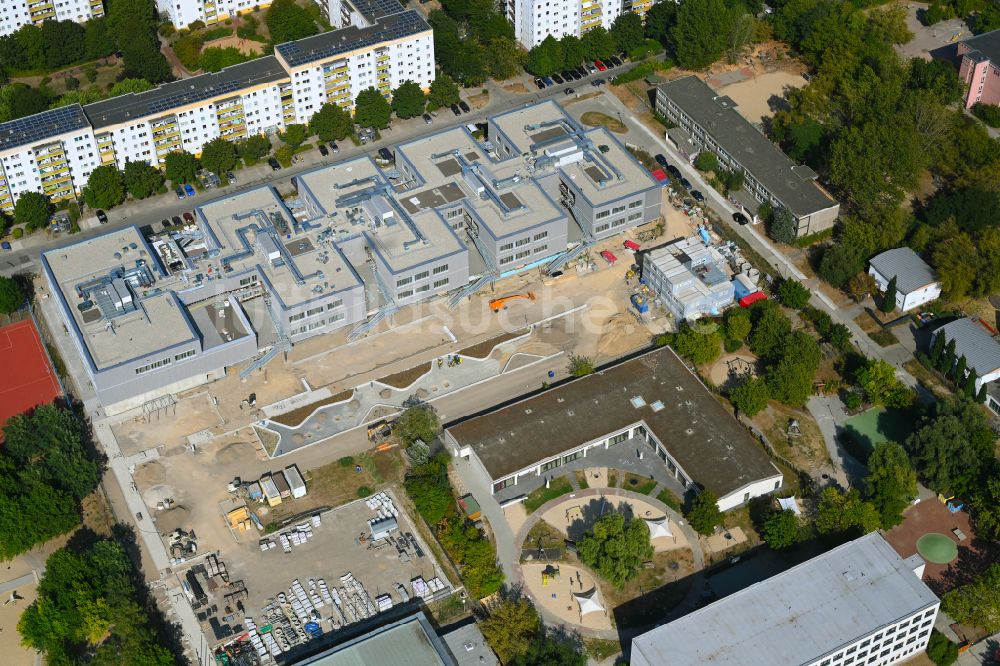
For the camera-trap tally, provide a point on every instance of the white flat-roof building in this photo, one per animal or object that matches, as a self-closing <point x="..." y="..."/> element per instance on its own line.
<point x="534" y="20"/>
<point x="380" y="45"/>
<point x="916" y="282"/>
<point x="689" y="278"/>
<point x="15" y="13"/>
<point x="860" y="603"/>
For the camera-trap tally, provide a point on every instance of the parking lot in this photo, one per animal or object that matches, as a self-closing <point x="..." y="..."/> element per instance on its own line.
<point x="325" y="570"/>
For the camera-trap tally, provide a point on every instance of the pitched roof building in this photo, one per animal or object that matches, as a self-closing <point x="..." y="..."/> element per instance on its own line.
<point x="916" y="282"/>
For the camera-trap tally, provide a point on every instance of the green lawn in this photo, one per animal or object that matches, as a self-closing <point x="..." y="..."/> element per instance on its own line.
<point x="536" y="498"/>
<point x="669" y="499"/>
<point x="879" y="425"/>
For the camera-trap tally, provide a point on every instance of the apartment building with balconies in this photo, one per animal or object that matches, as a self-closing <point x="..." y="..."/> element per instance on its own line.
<point x="16" y="13"/>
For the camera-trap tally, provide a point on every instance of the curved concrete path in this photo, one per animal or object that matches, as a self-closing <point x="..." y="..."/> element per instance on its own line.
<point x="513" y="568"/>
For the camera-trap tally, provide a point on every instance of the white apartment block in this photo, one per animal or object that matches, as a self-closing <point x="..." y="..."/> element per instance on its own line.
<point x="55" y="151"/>
<point x="183" y="13"/>
<point x="534" y="20"/>
<point x="15" y="13"/>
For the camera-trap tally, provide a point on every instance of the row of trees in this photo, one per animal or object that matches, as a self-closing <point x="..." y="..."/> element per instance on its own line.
<point x="47" y="466"/>
<point x="55" y="44"/>
<point x="91" y="608"/>
<point x="474" y="42"/>
<point x="133" y="24"/>
<point x="517" y="635"/>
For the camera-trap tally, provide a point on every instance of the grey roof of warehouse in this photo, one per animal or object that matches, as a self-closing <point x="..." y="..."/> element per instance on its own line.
<point x="41" y="126"/>
<point x="986" y="44"/>
<point x="410" y="641"/>
<point x="980" y="349"/>
<point x="795" y="186"/>
<point x="799" y="615"/>
<point x="911" y="272"/>
<point x="385" y="27"/>
<point x="707" y="441"/>
<point x="163" y="98"/>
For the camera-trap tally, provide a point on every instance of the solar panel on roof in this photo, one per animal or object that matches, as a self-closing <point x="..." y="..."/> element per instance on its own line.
<point x="41" y="126"/>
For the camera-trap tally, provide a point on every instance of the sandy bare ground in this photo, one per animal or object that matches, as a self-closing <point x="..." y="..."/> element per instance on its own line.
<point x="15" y="654"/>
<point x="723" y="369"/>
<point x="555" y="593"/>
<point x="761" y="96"/>
<point x="245" y="46"/>
<point x="575" y="515"/>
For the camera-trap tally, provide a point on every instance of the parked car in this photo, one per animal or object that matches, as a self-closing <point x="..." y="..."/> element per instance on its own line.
<point x="165" y="223"/>
<point x="582" y="71"/>
<point x="697" y="196"/>
<point x="686" y="183"/>
<point x="274" y="164"/>
<point x="385" y="154"/>
<point x="569" y="91"/>
<point x="540" y="84"/>
<point x="591" y="68"/>
<point x="189" y="217"/>
<point x="465" y="107"/>
<point x="600" y="65"/>
<point x="661" y="160"/>
<point x="188" y="190"/>
<point x="616" y="61"/>
<point x="176" y="220"/>
<point x="6" y="246"/>
<point x="740" y="219"/>
<point x="179" y="191"/>
<point x="323" y="150"/>
<point x="548" y="81"/>
<point x="334" y="148"/>
<point x="454" y="109"/>
<point x="598" y="82"/>
<point x="673" y="171"/>
<point x="558" y="79"/>
<point x="102" y="217"/>
<point x="231" y="177"/>
<point x="427" y="118"/>
<point x="570" y="75"/>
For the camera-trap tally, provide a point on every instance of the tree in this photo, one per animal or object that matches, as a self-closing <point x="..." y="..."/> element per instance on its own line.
<point x="781" y="529"/>
<point x="700" y="33"/>
<point x="215" y="59"/>
<point x="580" y="366"/>
<point x="294" y="135"/>
<point x="505" y="58"/>
<point x="181" y="167"/>
<point x="616" y="548"/>
<point x="72" y="83"/>
<point x="627" y="32"/>
<point x="546" y="58"/>
<point x="105" y="187"/>
<point x="331" y="123"/>
<point x="660" y="21"/>
<point x="701" y="344"/>
<point x="840" y="337"/>
<point x="443" y="92"/>
<point x="878" y="380"/>
<point x="371" y="109"/>
<point x="791" y="381"/>
<point x="977" y="604"/>
<point x="510" y="628"/>
<point x="65" y="43"/>
<point x="947" y="360"/>
<point x="703" y="514"/>
<point x="219" y="156"/>
<point x="937" y="348"/>
<point x="284" y="154"/>
<point x="597" y="44"/>
<point x="940" y="650"/>
<point x="889" y="297"/>
<point x="891" y="482"/>
<point x="26" y="101"/>
<point x="428" y="487"/>
<point x="12" y="295"/>
<point x="572" y="49"/>
<point x="141" y="180"/>
<point x="952" y="446"/>
<point x="126" y="86"/>
<point x="737" y="324"/>
<point x="841" y="513"/>
<point x="288" y="21"/>
<point x="187" y="48"/>
<point x="418" y="422"/>
<point x="782" y="226"/>
<point x="840" y="263"/>
<point x="793" y="294"/>
<point x="548" y="651"/>
<point x="751" y="397"/>
<point x="770" y="326"/>
<point x="706" y="161"/>
<point x="408" y="100"/>
<point x="33" y="210"/>
<point x="254" y="148"/>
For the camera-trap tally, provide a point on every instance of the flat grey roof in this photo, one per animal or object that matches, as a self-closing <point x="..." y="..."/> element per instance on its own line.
<point x="408" y="642"/>
<point x="987" y="44"/>
<point x="329" y="44"/>
<point x="911" y="272"/>
<point x="41" y="126"/>
<point x="706" y="440"/>
<point x="798" y="616"/>
<point x="980" y="349"/>
<point x="793" y="185"/>
<point x="169" y="96"/>
<point x="469" y="647"/>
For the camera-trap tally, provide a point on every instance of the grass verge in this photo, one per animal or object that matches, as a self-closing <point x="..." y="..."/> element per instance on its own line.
<point x="540" y="496"/>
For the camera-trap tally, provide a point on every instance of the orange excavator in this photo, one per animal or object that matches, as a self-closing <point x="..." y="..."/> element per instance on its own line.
<point x="498" y="304"/>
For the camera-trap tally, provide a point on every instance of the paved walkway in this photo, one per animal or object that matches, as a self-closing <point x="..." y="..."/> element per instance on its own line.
<point x="830" y="416"/>
<point x="512" y="567"/>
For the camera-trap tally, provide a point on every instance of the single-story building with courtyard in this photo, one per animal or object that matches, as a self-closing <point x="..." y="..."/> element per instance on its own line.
<point x="647" y="405"/>
<point x="916" y="282"/>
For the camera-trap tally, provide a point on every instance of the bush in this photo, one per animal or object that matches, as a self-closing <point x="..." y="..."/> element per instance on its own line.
<point x="706" y="161"/>
<point x="703" y="514"/>
<point x="793" y="294"/>
<point x="733" y="345"/>
<point x="580" y="366"/>
<point x="346" y="461"/>
<point x="988" y="113"/>
<point x="852" y="401"/>
<point x="941" y="650"/>
<point x="364" y="491"/>
<point x="17" y="233"/>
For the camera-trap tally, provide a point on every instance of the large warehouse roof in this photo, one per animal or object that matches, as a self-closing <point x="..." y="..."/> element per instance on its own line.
<point x="798" y="616"/>
<point x="688" y="420"/>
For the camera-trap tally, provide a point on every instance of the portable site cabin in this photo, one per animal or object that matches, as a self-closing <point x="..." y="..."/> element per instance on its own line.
<point x="383" y="528"/>
<point x="254" y="492"/>
<point x="271" y="494"/>
<point x="282" y="484"/>
<point x="295" y="481"/>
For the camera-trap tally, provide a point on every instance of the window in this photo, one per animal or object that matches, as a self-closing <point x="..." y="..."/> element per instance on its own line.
<point x="335" y="304"/>
<point x="551" y="465"/>
<point x="571" y="457"/>
<point x="602" y="227"/>
<point x="541" y="236"/>
<point x="152" y="366"/>
<point x="443" y="268"/>
<point x="541" y="248"/>
<point x="618" y="439"/>
<point x="184" y="354"/>
<point x="312" y="312"/>
<point x="603" y="214"/>
<point x="316" y="324"/>
<point x="506" y="260"/>
<point x="506" y="483"/>
<point x="336" y="317"/>
<point x="522" y="254"/>
<point x="405" y="294"/>
<point x="404" y="281"/>
<point x="522" y="242"/>
<point x="440" y="283"/>
<point x="635" y="204"/>
<point x="422" y="288"/>
<point x="618" y="209"/>
<point x="422" y="275"/>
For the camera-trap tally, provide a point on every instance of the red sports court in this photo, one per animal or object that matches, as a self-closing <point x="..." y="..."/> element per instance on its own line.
<point x="27" y="379"/>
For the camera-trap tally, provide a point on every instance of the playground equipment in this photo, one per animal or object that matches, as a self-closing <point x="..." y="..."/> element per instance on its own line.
<point x="498" y="304"/>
